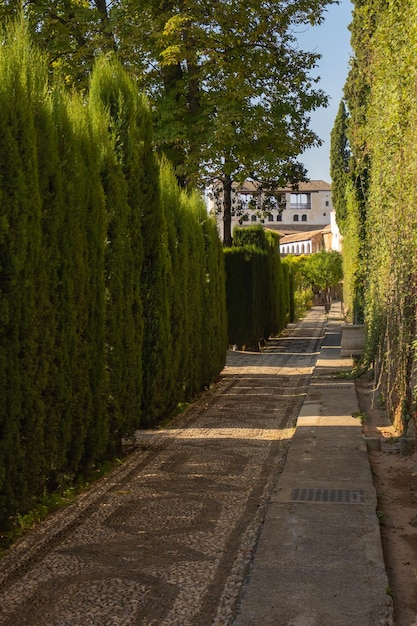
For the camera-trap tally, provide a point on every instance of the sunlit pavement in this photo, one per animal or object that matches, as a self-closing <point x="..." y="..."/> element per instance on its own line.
<point x="319" y="558"/>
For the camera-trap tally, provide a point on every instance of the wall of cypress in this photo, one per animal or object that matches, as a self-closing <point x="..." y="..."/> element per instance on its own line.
<point x="391" y="268"/>
<point x="258" y="287"/>
<point x="214" y="320"/>
<point x="380" y="242"/>
<point x="112" y="282"/>
<point x="21" y="279"/>
<point x="115" y="107"/>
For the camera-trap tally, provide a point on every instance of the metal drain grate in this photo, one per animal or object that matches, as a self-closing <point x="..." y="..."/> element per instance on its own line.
<point x="336" y="496"/>
<point x="331" y="386"/>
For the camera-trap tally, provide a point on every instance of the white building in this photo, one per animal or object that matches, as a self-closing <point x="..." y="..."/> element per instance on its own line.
<point x="304" y="217"/>
<point x="307" y="242"/>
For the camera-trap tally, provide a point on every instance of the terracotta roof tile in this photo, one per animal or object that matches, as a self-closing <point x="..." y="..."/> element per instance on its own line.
<point x="305" y="236"/>
<point x="250" y="186"/>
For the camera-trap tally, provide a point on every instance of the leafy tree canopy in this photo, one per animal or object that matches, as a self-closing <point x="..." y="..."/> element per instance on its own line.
<point x="73" y="33"/>
<point x="324" y="268"/>
<point x="298" y="273"/>
<point x="231" y="88"/>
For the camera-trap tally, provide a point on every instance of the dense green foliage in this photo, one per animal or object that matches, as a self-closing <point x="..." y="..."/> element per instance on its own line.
<point x="381" y="234"/>
<point x="353" y="244"/>
<point x="258" y="287"/>
<point x="324" y="269"/>
<point x="112" y="283"/>
<point x="231" y="89"/>
<point x="118" y="112"/>
<point x="339" y="165"/>
<point x="301" y="286"/>
<point x="72" y="34"/>
<point x="313" y="273"/>
<point x="392" y="227"/>
<point x="366" y="15"/>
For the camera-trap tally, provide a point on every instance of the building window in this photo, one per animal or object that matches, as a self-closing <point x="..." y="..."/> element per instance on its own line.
<point x="270" y="217"/>
<point x="247" y="201"/>
<point x="279" y="217"/>
<point x="245" y="218"/>
<point x="304" y="218"/>
<point x="295" y="218"/>
<point x="274" y="202"/>
<point x="300" y="201"/>
<point x="327" y="203"/>
<point x="253" y="218"/>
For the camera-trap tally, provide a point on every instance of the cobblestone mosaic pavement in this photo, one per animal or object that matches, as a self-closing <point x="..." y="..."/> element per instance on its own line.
<point x="167" y="538"/>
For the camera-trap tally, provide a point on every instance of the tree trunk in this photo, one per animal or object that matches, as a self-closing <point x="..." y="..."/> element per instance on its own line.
<point x="227" y="211"/>
<point x="101" y="6"/>
<point x="172" y="76"/>
<point x="194" y="111"/>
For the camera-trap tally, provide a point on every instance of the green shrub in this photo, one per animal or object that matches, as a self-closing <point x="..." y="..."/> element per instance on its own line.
<point x="258" y="287"/>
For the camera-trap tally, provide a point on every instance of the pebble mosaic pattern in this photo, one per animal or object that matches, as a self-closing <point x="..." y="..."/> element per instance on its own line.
<point x="167" y="538"/>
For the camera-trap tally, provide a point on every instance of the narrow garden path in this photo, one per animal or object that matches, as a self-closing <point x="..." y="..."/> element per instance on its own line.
<point x="168" y="536"/>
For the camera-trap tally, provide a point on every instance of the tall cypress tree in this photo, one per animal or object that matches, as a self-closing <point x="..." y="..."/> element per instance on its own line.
<point x="21" y="283"/>
<point x="357" y="92"/>
<point x="155" y="277"/>
<point x="172" y="208"/>
<point x="339" y="164"/>
<point x="114" y="103"/>
<point x="66" y="249"/>
<point x="214" y="299"/>
<point x="92" y="220"/>
<point x="75" y="281"/>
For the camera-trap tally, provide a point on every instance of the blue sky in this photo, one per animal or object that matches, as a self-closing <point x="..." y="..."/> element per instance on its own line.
<point x="332" y="40"/>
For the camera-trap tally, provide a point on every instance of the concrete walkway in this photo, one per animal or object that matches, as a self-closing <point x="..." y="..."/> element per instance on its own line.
<point x="319" y="559"/>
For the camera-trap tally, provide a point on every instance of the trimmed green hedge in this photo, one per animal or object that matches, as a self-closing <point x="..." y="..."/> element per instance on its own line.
<point x="112" y="282"/>
<point x="258" y="287"/>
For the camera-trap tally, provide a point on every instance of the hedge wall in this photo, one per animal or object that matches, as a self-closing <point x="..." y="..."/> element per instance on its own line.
<point x="381" y="197"/>
<point x="112" y="283"/>
<point x="258" y="287"/>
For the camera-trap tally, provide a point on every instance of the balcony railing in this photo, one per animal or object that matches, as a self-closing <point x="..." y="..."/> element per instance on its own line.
<point x="300" y="206"/>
